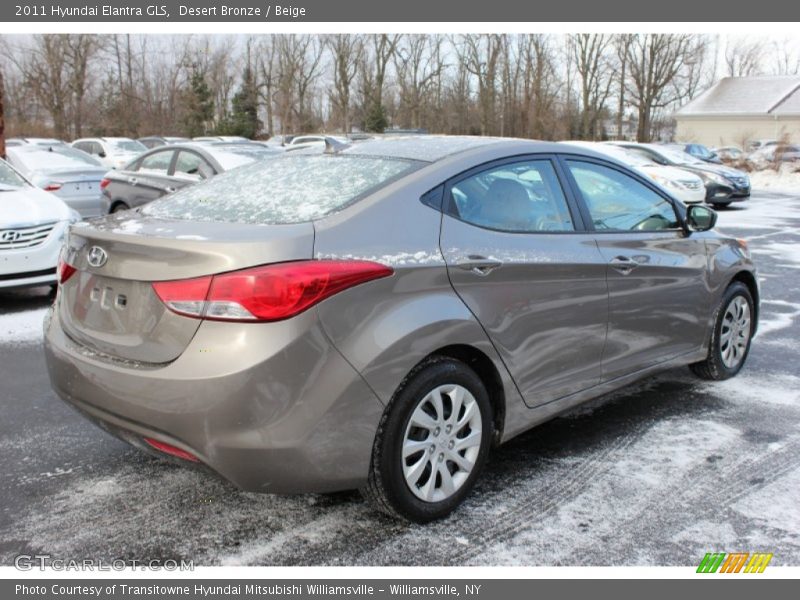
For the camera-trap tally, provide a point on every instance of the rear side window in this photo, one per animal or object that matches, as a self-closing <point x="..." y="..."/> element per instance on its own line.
<point x="157" y="163"/>
<point x="620" y="203"/>
<point x="288" y="189"/>
<point x="523" y="197"/>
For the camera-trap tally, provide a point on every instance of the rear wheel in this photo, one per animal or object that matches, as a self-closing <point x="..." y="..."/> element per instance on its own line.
<point x="119" y="207"/>
<point x="731" y="335"/>
<point x="431" y="443"/>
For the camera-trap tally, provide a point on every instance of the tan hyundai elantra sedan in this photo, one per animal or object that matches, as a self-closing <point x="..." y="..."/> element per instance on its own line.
<point x="378" y="315"/>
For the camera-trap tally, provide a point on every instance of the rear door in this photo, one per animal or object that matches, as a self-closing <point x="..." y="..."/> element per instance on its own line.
<point x="658" y="298"/>
<point x="517" y="256"/>
<point x="150" y="178"/>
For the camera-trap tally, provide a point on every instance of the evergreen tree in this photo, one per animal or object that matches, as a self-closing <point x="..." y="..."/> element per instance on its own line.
<point x="375" y="120"/>
<point x="243" y="118"/>
<point x="199" y="105"/>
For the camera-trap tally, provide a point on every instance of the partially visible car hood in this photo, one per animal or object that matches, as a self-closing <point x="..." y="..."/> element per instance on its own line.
<point x="30" y="206"/>
<point x="671" y="173"/>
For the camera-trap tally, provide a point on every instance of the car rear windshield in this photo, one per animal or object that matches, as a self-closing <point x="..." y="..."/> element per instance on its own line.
<point x="288" y="189"/>
<point x="235" y="155"/>
<point x="36" y="158"/>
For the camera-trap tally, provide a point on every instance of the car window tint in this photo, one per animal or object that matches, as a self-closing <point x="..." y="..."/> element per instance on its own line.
<point x="617" y="201"/>
<point x="288" y="189"/>
<point x="190" y="165"/>
<point x="523" y="197"/>
<point x="157" y="163"/>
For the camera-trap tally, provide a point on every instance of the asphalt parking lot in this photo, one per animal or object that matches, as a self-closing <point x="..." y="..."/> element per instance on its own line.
<point x="658" y="474"/>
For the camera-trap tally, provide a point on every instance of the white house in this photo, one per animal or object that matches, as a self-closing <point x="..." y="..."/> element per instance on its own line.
<point x="739" y="109"/>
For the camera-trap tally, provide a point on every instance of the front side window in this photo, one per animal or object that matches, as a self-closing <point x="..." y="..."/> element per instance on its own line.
<point x="619" y="202"/>
<point x="192" y="166"/>
<point x="523" y="197"/>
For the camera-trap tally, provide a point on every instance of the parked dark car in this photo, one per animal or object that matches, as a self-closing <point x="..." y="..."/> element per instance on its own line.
<point x="380" y="316"/>
<point x="154" y="141"/>
<point x="723" y="184"/>
<point x="699" y="151"/>
<point x="166" y="169"/>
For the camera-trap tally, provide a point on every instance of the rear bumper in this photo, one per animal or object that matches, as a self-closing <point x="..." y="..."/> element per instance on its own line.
<point x="271" y="407"/>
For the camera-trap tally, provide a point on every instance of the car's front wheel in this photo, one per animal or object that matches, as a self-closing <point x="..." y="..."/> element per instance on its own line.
<point x="431" y="443"/>
<point x="729" y="346"/>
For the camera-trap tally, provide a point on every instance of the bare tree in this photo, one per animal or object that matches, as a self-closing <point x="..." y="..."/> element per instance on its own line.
<point x="419" y="63"/>
<point x="481" y="56"/>
<point x="657" y="63"/>
<point x="743" y="58"/>
<point x="592" y="62"/>
<point x="347" y="51"/>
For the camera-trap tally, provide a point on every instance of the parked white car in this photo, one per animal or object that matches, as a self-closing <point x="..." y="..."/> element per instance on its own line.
<point x="685" y="186"/>
<point x="112" y="152"/>
<point x="32" y="227"/>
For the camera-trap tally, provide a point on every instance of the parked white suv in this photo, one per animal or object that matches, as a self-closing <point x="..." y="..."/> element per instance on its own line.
<point x="32" y="227"/>
<point x="113" y="152"/>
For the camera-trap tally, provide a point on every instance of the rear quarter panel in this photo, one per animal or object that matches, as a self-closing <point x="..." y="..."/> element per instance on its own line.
<point x="386" y="327"/>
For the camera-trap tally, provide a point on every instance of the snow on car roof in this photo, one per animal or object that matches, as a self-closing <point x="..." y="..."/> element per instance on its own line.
<point x="428" y="148"/>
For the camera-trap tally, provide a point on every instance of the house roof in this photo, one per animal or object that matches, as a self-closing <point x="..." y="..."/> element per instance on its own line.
<point x="747" y="96"/>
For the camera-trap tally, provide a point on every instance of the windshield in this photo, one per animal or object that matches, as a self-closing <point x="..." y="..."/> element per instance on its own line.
<point x="44" y="158"/>
<point x="230" y="157"/>
<point x="288" y="189"/>
<point x="127" y="146"/>
<point x="633" y="159"/>
<point x="9" y="178"/>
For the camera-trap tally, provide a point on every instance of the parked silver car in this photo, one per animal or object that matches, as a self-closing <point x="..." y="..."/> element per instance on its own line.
<point x="379" y="316"/>
<point x="70" y="174"/>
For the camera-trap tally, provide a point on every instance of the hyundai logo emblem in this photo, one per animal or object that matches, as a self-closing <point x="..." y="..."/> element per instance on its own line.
<point x="10" y="236"/>
<point x="97" y="257"/>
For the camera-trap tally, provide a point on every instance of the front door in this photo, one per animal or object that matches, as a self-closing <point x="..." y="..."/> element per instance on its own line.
<point x="517" y="257"/>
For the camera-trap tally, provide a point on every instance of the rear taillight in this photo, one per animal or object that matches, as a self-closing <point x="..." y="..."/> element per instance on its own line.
<point x="267" y="293"/>
<point x="65" y="271"/>
<point x="52" y="187"/>
<point x="171" y="450"/>
<point x="104" y="183"/>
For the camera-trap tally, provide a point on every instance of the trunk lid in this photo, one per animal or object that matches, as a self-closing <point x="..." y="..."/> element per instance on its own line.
<point x="112" y="308"/>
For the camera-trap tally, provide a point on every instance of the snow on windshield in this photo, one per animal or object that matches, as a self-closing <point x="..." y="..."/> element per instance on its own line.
<point x="231" y="156"/>
<point x="288" y="189"/>
<point x="9" y="177"/>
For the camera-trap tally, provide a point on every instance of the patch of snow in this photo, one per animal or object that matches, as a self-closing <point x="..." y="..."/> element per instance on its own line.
<point x="786" y="180"/>
<point x="24" y="327"/>
<point x="749" y="388"/>
<point x="771" y="320"/>
<point x="775" y="504"/>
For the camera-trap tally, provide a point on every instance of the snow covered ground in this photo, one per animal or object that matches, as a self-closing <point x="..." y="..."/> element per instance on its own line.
<point x="786" y="180"/>
<point x="657" y="474"/>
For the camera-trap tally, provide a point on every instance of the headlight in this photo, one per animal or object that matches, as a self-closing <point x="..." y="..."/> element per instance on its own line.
<point x="666" y="182"/>
<point x="713" y="177"/>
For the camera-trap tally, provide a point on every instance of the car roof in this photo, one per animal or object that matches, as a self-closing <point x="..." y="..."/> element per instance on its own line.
<point x="433" y="148"/>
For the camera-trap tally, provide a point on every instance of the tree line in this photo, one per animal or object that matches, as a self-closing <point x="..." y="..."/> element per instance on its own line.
<point x="581" y="86"/>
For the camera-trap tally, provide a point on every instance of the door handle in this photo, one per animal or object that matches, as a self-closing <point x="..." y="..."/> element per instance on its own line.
<point x="169" y="189"/>
<point x="623" y="264"/>
<point x="133" y="180"/>
<point x="479" y="265"/>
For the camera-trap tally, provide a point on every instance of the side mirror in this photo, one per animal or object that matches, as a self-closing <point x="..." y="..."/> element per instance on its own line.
<point x="101" y="154"/>
<point x="700" y="218"/>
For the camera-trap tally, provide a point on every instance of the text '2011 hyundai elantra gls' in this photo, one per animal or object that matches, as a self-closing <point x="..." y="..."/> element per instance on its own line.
<point x="378" y="316"/>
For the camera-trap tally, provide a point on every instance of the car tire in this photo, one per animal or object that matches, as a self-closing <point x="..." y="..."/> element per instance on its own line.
<point x="731" y="335"/>
<point x="407" y="439"/>
<point x="119" y="207"/>
<point x="721" y="204"/>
